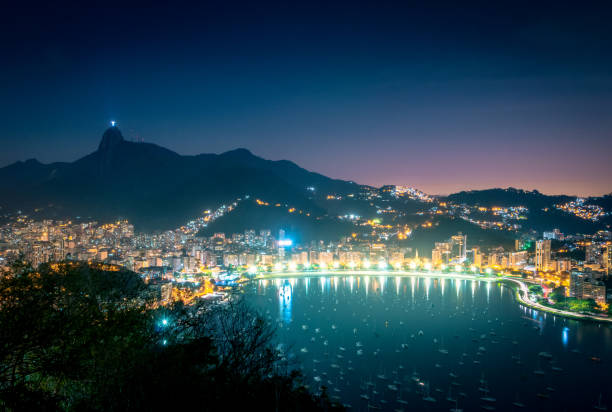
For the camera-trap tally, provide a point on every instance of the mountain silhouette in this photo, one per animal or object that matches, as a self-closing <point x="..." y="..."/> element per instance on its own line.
<point x="154" y="187"/>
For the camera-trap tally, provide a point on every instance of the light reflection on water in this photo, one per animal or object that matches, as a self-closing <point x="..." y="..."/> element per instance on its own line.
<point x="565" y="336"/>
<point x="386" y="322"/>
<point x="285" y="293"/>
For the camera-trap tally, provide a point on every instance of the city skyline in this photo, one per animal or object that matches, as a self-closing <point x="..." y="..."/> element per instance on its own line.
<point x="443" y="99"/>
<point x="305" y="206"/>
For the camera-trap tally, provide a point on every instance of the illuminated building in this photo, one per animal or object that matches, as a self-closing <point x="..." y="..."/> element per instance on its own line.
<point x="441" y="253"/>
<point x="477" y="258"/>
<point x="397" y="258"/>
<point x="542" y="257"/>
<point x="554" y="235"/>
<point x="497" y="258"/>
<point x="591" y="253"/>
<point x="595" y="290"/>
<point x="562" y="265"/>
<point x="518" y="260"/>
<point x="300" y="258"/>
<point x="166" y="292"/>
<point x="230" y="260"/>
<point x="326" y="258"/>
<point x="265" y="259"/>
<point x="458" y="247"/>
<point x="583" y="286"/>
<point x="576" y="282"/>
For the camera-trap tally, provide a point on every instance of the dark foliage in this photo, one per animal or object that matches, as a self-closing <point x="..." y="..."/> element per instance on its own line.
<point x="507" y="197"/>
<point x="76" y="337"/>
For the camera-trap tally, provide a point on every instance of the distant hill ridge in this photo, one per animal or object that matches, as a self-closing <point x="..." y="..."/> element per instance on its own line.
<point x="508" y="197"/>
<point x="157" y="189"/>
<point x="154" y="187"/>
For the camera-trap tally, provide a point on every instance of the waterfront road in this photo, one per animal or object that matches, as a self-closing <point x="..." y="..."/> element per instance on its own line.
<point x="523" y="290"/>
<point x="523" y="296"/>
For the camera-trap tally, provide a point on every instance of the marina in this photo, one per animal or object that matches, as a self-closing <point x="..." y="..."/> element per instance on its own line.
<point x="425" y="343"/>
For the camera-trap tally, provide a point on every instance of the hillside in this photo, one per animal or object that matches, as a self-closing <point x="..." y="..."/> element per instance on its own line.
<point x="298" y="226"/>
<point x="507" y="197"/>
<point x="154" y="187"/>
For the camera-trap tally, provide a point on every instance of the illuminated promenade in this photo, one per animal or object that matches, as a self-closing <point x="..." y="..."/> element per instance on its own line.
<point x="523" y="297"/>
<point x="522" y="292"/>
<point x="352" y="272"/>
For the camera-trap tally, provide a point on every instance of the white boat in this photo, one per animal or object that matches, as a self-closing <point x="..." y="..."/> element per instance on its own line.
<point x="600" y="406"/>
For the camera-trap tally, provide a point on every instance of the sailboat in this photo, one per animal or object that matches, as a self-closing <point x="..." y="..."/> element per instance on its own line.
<point x="428" y="397"/>
<point x="483" y="386"/>
<point x="450" y="395"/>
<point x="518" y="403"/>
<point x="456" y="408"/>
<point x="600" y="406"/>
<point x="442" y="350"/>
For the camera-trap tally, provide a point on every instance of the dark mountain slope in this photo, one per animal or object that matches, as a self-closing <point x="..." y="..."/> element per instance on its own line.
<point x="154" y="187"/>
<point x="507" y="197"/>
<point x="298" y="227"/>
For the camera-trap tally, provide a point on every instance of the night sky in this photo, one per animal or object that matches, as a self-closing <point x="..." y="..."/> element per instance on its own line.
<point x="443" y="98"/>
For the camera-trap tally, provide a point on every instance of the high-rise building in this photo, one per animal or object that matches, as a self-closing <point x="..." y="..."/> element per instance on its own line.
<point x="576" y="282"/>
<point x="458" y="247"/>
<point x="608" y="259"/>
<point x="517" y="260"/>
<point x="477" y="258"/>
<point x="554" y="235"/>
<point x="542" y="260"/>
<point x="326" y="258"/>
<point x="591" y="253"/>
<point x="595" y="290"/>
<point x="562" y="265"/>
<point x="441" y="253"/>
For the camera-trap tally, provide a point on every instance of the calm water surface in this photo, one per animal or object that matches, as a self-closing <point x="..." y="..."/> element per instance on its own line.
<point x="408" y="343"/>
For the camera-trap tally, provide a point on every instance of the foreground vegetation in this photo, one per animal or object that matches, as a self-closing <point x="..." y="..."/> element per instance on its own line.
<point x="75" y="337"/>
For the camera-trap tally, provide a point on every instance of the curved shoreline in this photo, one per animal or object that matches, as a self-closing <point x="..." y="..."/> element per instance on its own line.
<point x="522" y="292"/>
